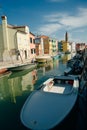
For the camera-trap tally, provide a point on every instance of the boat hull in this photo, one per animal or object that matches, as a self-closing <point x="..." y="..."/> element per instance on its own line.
<point x="43" y="59"/>
<point x="3" y="70"/>
<point x="21" y="67"/>
<point x="46" y="110"/>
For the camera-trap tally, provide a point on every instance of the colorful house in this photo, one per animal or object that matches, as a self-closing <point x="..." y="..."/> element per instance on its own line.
<point x="46" y="45"/>
<point x="32" y="47"/>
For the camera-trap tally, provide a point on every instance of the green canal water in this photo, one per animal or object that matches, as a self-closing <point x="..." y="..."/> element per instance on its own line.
<point x="16" y="87"/>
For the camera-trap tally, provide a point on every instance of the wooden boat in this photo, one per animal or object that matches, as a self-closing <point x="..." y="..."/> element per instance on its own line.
<point x="7" y="73"/>
<point x="3" y="70"/>
<point x="21" y="67"/>
<point x="49" y="105"/>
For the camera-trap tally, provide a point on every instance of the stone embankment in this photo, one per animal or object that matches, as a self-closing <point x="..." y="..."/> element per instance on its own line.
<point x="6" y="64"/>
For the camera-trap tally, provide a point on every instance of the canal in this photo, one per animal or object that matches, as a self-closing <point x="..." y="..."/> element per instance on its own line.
<point x="16" y="87"/>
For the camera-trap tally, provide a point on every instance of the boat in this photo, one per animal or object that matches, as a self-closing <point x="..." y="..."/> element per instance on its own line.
<point x="7" y="74"/>
<point x="51" y="103"/>
<point x="21" y="67"/>
<point x="20" y="73"/>
<point x="74" y="67"/>
<point x="3" y="70"/>
<point x="43" y="59"/>
<point x="70" y="63"/>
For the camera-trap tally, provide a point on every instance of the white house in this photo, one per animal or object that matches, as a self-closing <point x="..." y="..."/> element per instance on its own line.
<point x="14" y="41"/>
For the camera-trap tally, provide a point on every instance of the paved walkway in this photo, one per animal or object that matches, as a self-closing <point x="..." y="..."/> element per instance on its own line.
<point x="6" y="64"/>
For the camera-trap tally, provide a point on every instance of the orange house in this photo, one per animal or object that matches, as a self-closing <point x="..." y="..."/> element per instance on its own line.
<point x="42" y="45"/>
<point x="32" y="47"/>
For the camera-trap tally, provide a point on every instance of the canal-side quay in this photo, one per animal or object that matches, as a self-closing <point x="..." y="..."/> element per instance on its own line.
<point x="15" y="88"/>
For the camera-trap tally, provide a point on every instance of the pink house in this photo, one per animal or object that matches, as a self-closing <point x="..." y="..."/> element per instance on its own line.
<point x="32" y="47"/>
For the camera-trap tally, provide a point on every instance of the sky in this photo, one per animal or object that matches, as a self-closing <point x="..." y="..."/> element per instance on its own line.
<point x="49" y="17"/>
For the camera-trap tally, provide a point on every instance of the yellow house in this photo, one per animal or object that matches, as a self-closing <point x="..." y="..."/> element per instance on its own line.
<point x="53" y="46"/>
<point x="65" y="46"/>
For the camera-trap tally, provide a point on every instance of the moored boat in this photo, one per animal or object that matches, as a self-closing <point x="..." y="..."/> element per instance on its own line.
<point x="49" y="105"/>
<point x="3" y="70"/>
<point x="43" y="59"/>
<point x="21" y="67"/>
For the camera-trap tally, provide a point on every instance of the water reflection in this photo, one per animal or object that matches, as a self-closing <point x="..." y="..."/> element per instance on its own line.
<point x="4" y="91"/>
<point x="65" y="58"/>
<point x="15" y="84"/>
<point x="44" y="68"/>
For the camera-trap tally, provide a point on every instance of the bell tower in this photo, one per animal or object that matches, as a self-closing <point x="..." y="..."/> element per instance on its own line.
<point x="66" y="37"/>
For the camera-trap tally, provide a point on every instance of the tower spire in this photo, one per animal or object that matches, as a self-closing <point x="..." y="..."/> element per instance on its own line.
<point x="66" y="37"/>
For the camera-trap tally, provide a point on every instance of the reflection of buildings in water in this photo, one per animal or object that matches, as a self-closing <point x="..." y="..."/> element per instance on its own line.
<point x="4" y="87"/>
<point x="65" y="58"/>
<point x="34" y="75"/>
<point x="29" y="80"/>
<point x="50" y="65"/>
<point x="43" y="68"/>
<point x="55" y="63"/>
<point x="10" y="88"/>
<point x="20" y="84"/>
<point x="47" y="68"/>
<point x="68" y="56"/>
<point x="15" y="88"/>
<point x="44" y="71"/>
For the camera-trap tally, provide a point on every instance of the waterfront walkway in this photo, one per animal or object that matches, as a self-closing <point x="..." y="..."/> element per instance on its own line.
<point x="7" y="64"/>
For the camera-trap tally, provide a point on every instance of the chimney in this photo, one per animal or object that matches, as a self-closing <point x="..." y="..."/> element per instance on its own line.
<point x="5" y="32"/>
<point x="4" y="20"/>
<point x="4" y="17"/>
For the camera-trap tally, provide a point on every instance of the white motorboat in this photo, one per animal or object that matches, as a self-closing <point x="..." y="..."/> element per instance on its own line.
<point x="49" y="105"/>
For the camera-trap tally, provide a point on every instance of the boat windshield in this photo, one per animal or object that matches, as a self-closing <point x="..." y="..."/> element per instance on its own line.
<point x="58" y="81"/>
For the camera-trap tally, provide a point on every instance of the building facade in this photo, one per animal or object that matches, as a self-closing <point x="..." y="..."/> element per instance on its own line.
<point x="66" y="46"/>
<point x="46" y="45"/>
<point x="53" y="45"/>
<point x="32" y="47"/>
<point x="14" y="41"/>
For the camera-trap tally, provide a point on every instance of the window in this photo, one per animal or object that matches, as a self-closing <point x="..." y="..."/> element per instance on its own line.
<point x="30" y="40"/>
<point x="31" y="51"/>
<point x="33" y="40"/>
<point x="34" y="51"/>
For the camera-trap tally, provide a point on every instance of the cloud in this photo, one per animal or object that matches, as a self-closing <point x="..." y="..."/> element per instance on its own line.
<point x="79" y="30"/>
<point x="79" y="20"/>
<point x="49" y="29"/>
<point x="70" y="21"/>
<point x="64" y="21"/>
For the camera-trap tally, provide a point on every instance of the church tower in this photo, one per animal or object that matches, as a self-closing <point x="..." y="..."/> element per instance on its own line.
<point x="66" y="37"/>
